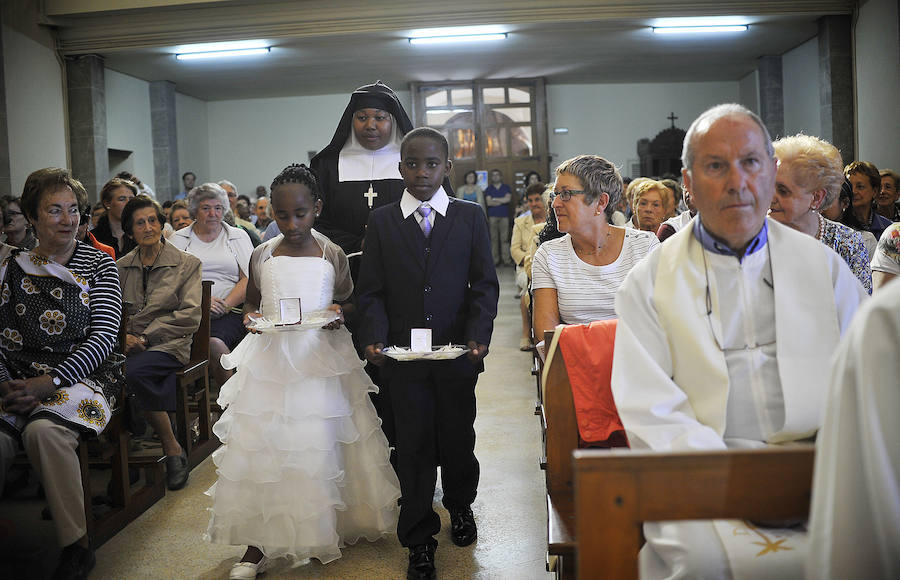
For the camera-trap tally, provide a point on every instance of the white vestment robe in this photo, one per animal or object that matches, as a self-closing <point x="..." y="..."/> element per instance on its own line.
<point x="712" y="352"/>
<point x="854" y="527"/>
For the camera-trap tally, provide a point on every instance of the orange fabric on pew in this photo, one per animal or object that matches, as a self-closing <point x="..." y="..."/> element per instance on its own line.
<point x="588" y="353"/>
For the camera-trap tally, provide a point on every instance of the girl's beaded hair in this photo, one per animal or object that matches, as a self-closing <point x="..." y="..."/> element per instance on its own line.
<point x="298" y="173"/>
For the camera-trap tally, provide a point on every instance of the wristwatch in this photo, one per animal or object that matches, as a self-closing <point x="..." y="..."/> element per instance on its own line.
<point x="143" y="339"/>
<point x="57" y="382"/>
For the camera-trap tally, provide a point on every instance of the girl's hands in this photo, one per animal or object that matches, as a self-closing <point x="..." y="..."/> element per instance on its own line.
<point x="248" y="318"/>
<point x="334" y="325"/>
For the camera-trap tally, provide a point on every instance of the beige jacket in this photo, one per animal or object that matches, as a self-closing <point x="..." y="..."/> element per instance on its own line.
<point x="168" y="312"/>
<point x="524" y="241"/>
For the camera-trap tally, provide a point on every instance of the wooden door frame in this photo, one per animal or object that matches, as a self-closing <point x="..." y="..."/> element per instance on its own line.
<point x="540" y="145"/>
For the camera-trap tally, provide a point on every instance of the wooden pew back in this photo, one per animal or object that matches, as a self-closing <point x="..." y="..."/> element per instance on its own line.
<point x="562" y="428"/>
<point x="616" y="492"/>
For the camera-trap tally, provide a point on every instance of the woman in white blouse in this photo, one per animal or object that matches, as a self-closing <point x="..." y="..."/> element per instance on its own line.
<point x="225" y="254"/>
<point x="575" y="277"/>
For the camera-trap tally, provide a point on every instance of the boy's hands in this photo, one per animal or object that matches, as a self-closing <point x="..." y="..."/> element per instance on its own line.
<point x="374" y="355"/>
<point x="476" y="351"/>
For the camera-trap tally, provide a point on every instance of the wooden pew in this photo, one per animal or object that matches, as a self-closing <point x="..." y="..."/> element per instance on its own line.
<point x="127" y="501"/>
<point x="615" y="493"/>
<point x="560" y="440"/>
<point x="192" y="397"/>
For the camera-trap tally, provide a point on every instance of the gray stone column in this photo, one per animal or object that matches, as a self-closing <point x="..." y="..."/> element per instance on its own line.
<point x="771" y="95"/>
<point x="165" y="139"/>
<point x="836" y="84"/>
<point x="87" y="121"/>
<point x="5" y="175"/>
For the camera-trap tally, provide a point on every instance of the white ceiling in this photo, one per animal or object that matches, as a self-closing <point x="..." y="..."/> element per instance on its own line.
<point x="333" y="47"/>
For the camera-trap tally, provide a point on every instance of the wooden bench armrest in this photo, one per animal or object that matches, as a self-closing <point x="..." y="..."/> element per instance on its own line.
<point x="616" y="492"/>
<point x="561" y="524"/>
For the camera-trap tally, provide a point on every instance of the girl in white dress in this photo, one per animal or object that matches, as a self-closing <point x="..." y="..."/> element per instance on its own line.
<point x="304" y="468"/>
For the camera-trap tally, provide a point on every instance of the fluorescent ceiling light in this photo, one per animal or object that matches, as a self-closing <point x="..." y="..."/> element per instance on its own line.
<point x="699" y="29"/>
<point x="457" y="38"/>
<point x="221" y="49"/>
<point x="222" y="53"/>
<point x="457" y="34"/>
<point x="701" y="21"/>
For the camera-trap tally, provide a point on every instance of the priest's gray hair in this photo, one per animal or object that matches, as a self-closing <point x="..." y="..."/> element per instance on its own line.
<point x="206" y="191"/>
<point x="706" y="120"/>
<point x="597" y="176"/>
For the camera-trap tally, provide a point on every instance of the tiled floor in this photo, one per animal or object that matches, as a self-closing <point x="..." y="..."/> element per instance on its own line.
<point x="166" y="542"/>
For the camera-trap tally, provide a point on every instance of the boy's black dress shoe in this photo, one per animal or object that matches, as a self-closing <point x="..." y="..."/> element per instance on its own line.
<point x="421" y="562"/>
<point x="462" y="526"/>
<point x="75" y="562"/>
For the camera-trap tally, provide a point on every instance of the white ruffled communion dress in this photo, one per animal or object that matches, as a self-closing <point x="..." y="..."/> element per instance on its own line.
<point x="304" y="469"/>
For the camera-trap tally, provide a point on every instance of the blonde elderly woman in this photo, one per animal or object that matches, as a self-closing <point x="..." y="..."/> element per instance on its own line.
<point x="575" y="277"/>
<point x="809" y="177"/>
<point x="522" y="248"/>
<point x="224" y="252"/>
<point x="650" y="202"/>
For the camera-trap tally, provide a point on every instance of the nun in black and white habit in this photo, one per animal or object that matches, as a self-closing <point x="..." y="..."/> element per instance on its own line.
<point x="358" y="171"/>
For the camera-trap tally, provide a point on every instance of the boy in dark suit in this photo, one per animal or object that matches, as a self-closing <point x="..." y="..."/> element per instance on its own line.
<point x="427" y="264"/>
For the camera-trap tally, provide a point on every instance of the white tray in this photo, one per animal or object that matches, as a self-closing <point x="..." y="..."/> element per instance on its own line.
<point x="311" y="320"/>
<point x="446" y="352"/>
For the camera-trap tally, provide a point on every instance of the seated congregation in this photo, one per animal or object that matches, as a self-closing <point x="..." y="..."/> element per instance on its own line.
<point x="706" y="340"/>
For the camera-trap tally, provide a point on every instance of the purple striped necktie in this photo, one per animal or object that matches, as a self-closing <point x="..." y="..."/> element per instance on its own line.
<point x="424" y="211"/>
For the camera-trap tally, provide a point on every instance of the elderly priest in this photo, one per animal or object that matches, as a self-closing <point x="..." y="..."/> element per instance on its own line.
<point x="724" y="338"/>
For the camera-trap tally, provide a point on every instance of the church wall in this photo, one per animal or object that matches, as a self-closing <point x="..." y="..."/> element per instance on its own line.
<point x="800" y="73"/>
<point x="128" y="124"/>
<point x="748" y="87"/>
<point x="191" y="117"/>
<point x="609" y="119"/>
<point x="877" y="55"/>
<point x="252" y="140"/>
<point x="34" y="102"/>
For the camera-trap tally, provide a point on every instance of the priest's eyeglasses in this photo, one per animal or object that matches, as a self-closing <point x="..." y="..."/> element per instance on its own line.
<point x="566" y="194"/>
<point x="709" y="310"/>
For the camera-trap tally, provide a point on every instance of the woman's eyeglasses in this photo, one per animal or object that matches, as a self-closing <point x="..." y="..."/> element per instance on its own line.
<point x="566" y="194"/>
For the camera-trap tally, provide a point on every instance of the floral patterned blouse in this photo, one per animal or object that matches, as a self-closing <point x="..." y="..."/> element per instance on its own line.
<point x="887" y="254"/>
<point x="850" y="245"/>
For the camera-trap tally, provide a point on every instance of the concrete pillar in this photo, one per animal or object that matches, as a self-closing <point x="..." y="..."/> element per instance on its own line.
<point x="836" y="84"/>
<point x="5" y="176"/>
<point x="87" y="121"/>
<point x="771" y="94"/>
<point x="165" y="139"/>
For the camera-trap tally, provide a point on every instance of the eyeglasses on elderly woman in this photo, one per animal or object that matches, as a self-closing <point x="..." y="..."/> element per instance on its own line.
<point x="566" y="194"/>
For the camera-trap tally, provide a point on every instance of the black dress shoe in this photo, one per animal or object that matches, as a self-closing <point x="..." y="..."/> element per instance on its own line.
<point x="421" y="562"/>
<point x="462" y="526"/>
<point x="177" y="470"/>
<point x="75" y="562"/>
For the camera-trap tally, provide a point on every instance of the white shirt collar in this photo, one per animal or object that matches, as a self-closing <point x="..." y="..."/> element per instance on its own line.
<point x="439" y="202"/>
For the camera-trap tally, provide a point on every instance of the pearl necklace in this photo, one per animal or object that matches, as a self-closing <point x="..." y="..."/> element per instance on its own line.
<point x="821" y="229"/>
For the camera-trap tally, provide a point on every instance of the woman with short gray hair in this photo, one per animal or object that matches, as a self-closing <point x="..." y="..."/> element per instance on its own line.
<point x="225" y="254"/>
<point x="575" y="277"/>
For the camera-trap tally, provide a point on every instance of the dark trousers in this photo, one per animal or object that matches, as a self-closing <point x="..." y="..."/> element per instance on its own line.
<point x="434" y="419"/>
<point x="150" y="376"/>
